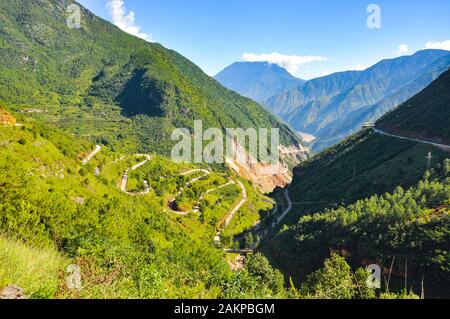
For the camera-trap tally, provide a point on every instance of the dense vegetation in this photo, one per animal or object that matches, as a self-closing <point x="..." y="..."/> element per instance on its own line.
<point x="127" y="95"/>
<point x="100" y="82"/>
<point x="336" y="106"/>
<point x="426" y="116"/>
<point x="408" y="228"/>
<point x="363" y="165"/>
<point x="61" y="212"/>
<point x="376" y="199"/>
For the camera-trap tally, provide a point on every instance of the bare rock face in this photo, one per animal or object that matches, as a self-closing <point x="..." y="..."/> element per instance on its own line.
<point x="267" y="177"/>
<point x="12" y="292"/>
<point x="6" y="119"/>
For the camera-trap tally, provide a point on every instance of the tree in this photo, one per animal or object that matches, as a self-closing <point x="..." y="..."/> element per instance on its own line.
<point x="258" y="266"/>
<point x="362" y="289"/>
<point x="334" y="281"/>
<point x="249" y="241"/>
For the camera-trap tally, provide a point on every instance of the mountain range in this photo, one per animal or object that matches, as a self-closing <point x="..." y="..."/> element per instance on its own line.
<point x="86" y="116"/>
<point x="67" y="203"/>
<point x="119" y="90"/>
<point x="257" y="80"/>
<point x="377" y="197"/>
<point x="333" y="107"/>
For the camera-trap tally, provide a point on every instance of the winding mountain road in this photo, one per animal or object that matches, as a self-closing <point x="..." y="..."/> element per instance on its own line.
<point x="204" y="171"/>
<point x="199" y="200"/>
<point x="91" y="155"/>
<point x="220" y="187"/>
<point x="172" y="202"/>
<point x="230" y="216"/>
<point x="288" y="209"/>
<point x="238" y="206"/>
<point x="124" y="181"/>
<point x="446" y="147"/>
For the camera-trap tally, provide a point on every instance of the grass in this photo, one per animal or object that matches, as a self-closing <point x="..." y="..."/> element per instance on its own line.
<point x="249" y="214"/>
<point x="36" y="270"/>
<point x="113" y="237"/>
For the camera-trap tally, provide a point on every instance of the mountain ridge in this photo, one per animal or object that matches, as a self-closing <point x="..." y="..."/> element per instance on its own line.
<point x="101" y="82"/>
<point x="324" y="107"/>
<point x="257" y="80"/>
<point x="374" y="196"/>
<point x="424" y="110"/>
<point x="107" y="63"/>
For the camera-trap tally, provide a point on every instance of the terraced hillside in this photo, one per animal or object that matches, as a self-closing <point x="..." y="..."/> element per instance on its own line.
<point x="64" y="210"/>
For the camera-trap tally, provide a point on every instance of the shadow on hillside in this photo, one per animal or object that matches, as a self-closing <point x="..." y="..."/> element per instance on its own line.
<point x="141" y="95"/>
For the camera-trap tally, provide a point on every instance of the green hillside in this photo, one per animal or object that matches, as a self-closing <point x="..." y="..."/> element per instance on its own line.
<point x="333" y="107"/>
<point x="85" y="122"/>
<point x="409" y="228"/>
<point x="341" y="203"/>
<point x="374" y="199"/>
<point x="100" y="82"/>
<point x="426" y="116"/>
<point x="62" y="212"/>
<point x="363" y="165"/>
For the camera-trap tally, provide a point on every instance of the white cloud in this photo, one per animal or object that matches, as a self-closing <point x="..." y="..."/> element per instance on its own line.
<point x="125" y="21"/>
<point x="289" y="62"/>
<point x="444" y="45"/>
<point x="402" y="49"/>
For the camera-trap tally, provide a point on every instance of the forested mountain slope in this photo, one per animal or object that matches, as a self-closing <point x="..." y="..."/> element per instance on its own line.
<point x="54" y="212"/>
<point x="101" y="82"/>
<point x="336" y="106"/>
<point x="408" y="230"/>
<point x="340" y="201"/>
<point x="426" y="116"/>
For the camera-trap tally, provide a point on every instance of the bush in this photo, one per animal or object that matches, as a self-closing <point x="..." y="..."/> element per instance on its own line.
<point x="334" y="281"/>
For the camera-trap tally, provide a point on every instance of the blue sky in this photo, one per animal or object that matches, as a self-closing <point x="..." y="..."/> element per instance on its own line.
<point x="312" y="38"/>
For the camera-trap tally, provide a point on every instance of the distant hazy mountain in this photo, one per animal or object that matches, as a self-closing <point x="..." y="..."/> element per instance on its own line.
<point x="257" y="80"/>
<point x="333" y="107"/>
